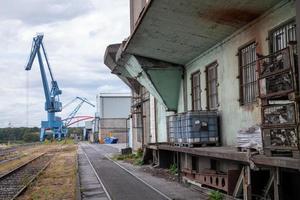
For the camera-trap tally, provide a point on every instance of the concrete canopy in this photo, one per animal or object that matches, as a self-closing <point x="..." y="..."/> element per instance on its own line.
<point x="161" y="79"/>
<point x="179" y="31"/>
<point x="121" y="72"/>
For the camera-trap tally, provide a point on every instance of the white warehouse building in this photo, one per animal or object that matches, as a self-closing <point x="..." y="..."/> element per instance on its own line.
<point x="113" y="110"/>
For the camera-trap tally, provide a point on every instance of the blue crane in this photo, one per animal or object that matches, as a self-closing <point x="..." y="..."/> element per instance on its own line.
<point x="54" y="124"/>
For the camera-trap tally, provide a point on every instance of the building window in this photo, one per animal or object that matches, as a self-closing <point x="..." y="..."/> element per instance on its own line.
<point x="196" y="91"/>
<point x="247" y="74"/>
<point x="212" y="86"/>
<point x="282" y="35"/>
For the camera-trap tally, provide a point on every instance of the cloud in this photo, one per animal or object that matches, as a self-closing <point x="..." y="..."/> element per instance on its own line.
<point x="35" y="12"/>
<point x="76" y="35"/>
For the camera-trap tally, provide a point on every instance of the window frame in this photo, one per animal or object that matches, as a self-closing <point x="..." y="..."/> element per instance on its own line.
<point x="276" y="28"/>
<point x="193" y="87"/>
<point x="216" y="94"/>
<point x="241" y="75"/>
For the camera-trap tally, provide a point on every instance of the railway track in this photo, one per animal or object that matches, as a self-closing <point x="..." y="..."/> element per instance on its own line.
<point x="9" y="154"/>
<point x="13" y="183"/>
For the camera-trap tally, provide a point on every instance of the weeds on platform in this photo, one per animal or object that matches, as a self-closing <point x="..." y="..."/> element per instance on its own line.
<point x="215" y="195"/>
<point x="134" y="158"/>
<point x="173" y="169"/>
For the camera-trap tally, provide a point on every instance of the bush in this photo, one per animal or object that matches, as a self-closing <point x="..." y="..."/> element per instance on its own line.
<point x="31" y="137"/>
<point x="173" y="169"/>
<point x="138" y="162"/>
<point x="215" y="195"/>
<point x="139" y="153"/>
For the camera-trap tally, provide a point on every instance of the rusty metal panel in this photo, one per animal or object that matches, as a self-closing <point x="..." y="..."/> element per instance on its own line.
<point x="275" y="74"/>
<point x="279" y="114"/>
<point x="281" y="138"/>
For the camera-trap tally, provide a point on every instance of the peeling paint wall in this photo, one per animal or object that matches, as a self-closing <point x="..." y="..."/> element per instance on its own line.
<point x="180" y="108"/>
<point x="234" y="116"/>
<point x="152" y="120"/>
<point x="161" y="123"/>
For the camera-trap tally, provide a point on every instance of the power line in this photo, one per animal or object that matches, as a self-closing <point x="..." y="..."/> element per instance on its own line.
<point x="27" y="98"/>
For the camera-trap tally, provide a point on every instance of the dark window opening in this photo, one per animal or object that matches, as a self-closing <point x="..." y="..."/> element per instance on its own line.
<point x="248" y="74"/>
<point x="196" y="91"/>
<point x="282" y="36"/>
<point x="213" y="164"/>
<point x="194" y="163"/>
<point x="212" y="86"/>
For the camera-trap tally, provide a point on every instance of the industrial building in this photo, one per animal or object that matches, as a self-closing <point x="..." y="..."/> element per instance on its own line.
<point x="112" y="115"/>
<point x="235" y="58"/>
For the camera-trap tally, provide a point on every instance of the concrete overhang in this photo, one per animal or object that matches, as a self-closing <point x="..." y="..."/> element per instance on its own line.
<point x="179" y="31"/>
<point x="120" y="71"/>
<point x="162" y="79"/>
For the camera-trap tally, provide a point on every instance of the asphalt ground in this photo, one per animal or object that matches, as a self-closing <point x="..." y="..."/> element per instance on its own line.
<point x="119" y="183"/>
<point x="90" y="186"/>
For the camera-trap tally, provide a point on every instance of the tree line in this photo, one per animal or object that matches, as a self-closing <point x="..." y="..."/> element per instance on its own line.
<point x="24" y="134"/>
<point x="19" y="134"/>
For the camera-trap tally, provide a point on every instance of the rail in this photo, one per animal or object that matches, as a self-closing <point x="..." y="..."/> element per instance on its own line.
<point x="9" y="154"/>
<point x="14" y="182"/>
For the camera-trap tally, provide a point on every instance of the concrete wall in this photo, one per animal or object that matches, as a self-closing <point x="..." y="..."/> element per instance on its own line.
<point x="161" y="123"/>
<point x="114" y="127"/>
<point x="234" y="116"/>
<point x="136" y="7"/>
<point x="152" y="135"/>
<point x="135" y="143"/>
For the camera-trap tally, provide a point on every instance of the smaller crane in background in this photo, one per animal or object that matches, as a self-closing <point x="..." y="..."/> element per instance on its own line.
<point x="68" y="121"/>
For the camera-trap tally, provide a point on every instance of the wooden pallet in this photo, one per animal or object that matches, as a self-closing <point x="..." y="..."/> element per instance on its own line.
<point x="282" y="153"/>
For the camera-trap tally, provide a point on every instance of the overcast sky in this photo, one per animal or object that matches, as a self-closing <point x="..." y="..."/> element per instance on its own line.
<point x="76" y="35"/>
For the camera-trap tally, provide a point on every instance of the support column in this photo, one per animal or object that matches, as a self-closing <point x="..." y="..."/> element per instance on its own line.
<point x="247" y="183"/>
<point x="276" y="183"/>
<point x="178" y="154"/>
<point x="185" y="94"/>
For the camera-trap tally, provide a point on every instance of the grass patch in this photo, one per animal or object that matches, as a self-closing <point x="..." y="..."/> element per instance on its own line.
<point x="67" y="141"/>
<point x="138" y="162"/>
<point x="58" y="181"/>
<point x="215" y="195"/>
<point x="134" y="158"/>
<point x="173" y="169"/>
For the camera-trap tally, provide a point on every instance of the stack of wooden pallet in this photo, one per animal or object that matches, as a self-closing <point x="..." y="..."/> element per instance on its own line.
<point x="280" y="111"/>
